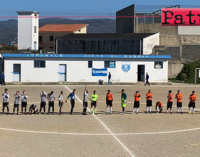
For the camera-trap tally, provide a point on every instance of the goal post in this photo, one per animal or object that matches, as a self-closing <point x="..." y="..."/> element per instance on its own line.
<point x="196" y="72"/>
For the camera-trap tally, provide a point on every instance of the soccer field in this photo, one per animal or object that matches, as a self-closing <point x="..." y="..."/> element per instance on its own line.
<point x="116" y="135"/>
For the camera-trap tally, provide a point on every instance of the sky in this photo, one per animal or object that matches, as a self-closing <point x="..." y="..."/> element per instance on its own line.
<point x="81" y="7"/>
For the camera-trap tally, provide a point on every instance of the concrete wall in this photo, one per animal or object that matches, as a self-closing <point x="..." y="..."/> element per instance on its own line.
<point x="26" y="35"/>
<point x="125" y="24"/>
<point x="149" y="43"/>
<point x="174" y="68"/>
<point x="81" y="31"/>
<point x="78" y="71"/>
<point x="189" y="30"/>
<point x="155" y="28"/>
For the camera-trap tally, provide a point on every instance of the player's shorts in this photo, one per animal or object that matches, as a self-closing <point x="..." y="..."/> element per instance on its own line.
<point x="60" y="104"/>
<point x="72" y="102"/>
<point x="109" y="103"/>
<point x="136" y="104"/>
<point x="179" y="104"/>
<point x="24" y="104"/>
<point x="191" y="104"/>
<point x="43" y="104"/>
<point x="85" y="104"/>
<point x="16" y="105"/>
<point x="5" y="104"/>
<point x="94" y="103"/>
<point x="169" y="104"/>
<point x="149" y="103"/>
<point x="51" y="103"/>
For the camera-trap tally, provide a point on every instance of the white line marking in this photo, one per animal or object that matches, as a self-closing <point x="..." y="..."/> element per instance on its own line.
<point x="86" y="134"/>
<point x="162" y="132"/>
<point x="107" y="129"/>
<point x="60" y="133"/>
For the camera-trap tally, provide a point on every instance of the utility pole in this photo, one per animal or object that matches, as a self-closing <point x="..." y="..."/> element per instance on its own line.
<point x="181" y="48"/>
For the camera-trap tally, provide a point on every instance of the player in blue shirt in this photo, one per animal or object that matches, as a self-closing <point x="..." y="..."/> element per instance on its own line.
<point x="72" y="100"/>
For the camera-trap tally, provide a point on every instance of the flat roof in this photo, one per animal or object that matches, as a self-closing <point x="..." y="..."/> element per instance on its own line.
<point x="108" y="35"/>
<point x="95" y="56"/>
<point x="26" y="12"/>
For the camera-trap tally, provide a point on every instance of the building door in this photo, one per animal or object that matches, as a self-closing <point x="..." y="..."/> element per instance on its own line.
<point x="141" y="72"/>
<point x="62" y="73"/>
<point x="16" y="72"/>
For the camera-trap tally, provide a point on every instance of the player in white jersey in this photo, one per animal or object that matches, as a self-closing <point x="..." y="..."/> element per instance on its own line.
<point x="51" y="99"/>
<point x="33" y="109"/>
<point x="5" y="97"/>
<point x="60" y="102"/>
<point x="43" y="96"/>
<point x="85" y="100"/>
<point x="16" y="102"/>
<point x="24" y="98"/>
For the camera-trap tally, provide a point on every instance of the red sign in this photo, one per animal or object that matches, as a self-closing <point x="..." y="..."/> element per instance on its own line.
<point x="180" y="17"/>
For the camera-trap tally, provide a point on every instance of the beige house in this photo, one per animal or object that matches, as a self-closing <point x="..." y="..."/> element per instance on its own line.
<point x="49" y="33"/>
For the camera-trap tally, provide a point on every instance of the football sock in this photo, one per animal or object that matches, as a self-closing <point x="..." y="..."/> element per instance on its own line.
<point x="150" y="109"/>
<point x="147" y="109"/>
<point x="107" y="110"/>
<point x="133" y="110"/>
<point x="137" y="110"/>
<point x="178" y="109"/>
<point x="111" y="110"/>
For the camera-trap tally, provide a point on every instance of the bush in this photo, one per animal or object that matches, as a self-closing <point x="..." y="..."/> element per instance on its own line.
<point x="187" y="74"/>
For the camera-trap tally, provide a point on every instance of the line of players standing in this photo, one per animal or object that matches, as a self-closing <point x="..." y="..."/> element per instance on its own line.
<point x="94" y="98"/>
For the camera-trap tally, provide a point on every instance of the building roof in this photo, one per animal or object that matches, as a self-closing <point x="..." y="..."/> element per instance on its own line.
<point x="27" y="12"/>
<point x="79" y="56"/>
<point x="108" y="35"/>
<point x="61" y="28"/>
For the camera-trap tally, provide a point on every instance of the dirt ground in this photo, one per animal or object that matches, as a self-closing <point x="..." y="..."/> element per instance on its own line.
<point x="116" y="135"/>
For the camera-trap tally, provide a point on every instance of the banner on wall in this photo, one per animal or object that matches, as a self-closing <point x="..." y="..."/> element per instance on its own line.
<point x="99" y="72"/>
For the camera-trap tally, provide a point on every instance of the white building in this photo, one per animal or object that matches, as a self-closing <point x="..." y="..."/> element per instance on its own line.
<point x="84" y="68"/>
<point x="28" y="24"/>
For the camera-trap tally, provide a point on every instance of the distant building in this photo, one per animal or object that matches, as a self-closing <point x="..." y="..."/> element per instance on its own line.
<point x="109" y="43"/>
<point x="50" y="32"/>
<point x="28" y="22"/>
<point x="150" y="22"/>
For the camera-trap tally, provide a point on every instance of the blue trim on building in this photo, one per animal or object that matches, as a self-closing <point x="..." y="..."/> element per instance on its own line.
<point x="85" y="56"/>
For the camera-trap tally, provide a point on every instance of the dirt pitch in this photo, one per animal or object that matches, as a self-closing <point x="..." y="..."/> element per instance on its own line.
<point x="116" y="135"/>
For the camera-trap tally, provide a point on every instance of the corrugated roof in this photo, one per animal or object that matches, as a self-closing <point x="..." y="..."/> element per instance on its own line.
<point x="61" y="28"/>
<point x="109" y="35"/>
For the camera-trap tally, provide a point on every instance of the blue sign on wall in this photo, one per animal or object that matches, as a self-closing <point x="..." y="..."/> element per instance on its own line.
<point x="86" y="56"/>
<point x="99" y="72"/>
